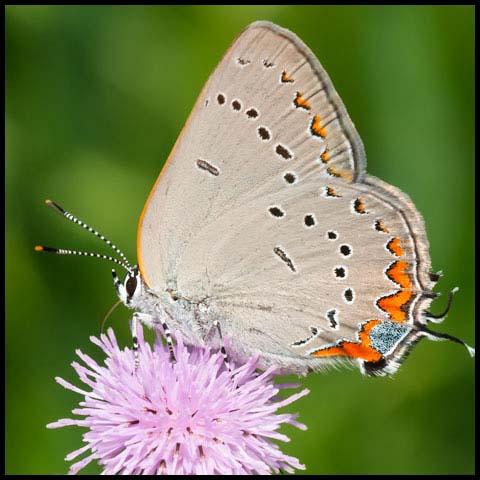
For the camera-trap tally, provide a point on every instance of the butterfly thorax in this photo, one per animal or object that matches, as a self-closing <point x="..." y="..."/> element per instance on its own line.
<point x="166" y="306"/>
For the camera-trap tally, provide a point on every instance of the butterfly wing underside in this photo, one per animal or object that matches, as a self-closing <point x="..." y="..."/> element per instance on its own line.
<point x="265" y="213"/>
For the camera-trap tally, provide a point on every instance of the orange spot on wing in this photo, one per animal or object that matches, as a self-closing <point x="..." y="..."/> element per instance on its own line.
<point x="286" y="78"/>
<point x="300" y="102"/>
<point x="325" y="156"/>
<point x="394" y="304"/>
<point x="396" y="272"/>
<point x="316" y="128"/>
<point x="364" y="334"/>
<point x="340" y="173"/>
<point x="38" y="248"/>
<point x="379" y="225"/>
<point x="395" y="247"/>
<point x="331" y="192"/>
<point x="361" y="349"/>
<point x="359" y="206"/>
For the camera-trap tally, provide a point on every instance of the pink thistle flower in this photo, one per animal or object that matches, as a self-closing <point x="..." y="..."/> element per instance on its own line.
<point x="192" y="417"/>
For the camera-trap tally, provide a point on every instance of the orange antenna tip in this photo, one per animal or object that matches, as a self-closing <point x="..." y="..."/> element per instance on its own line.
<point x="56" y="207"/>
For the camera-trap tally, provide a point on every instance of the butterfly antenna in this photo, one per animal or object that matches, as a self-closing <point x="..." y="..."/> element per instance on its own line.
<point x="69" y="216"/>
<point x="61" y="251"/>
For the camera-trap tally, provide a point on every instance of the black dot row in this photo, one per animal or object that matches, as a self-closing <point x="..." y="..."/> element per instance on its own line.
<point x="263" y="132"/>
<point x="237" y="106"/>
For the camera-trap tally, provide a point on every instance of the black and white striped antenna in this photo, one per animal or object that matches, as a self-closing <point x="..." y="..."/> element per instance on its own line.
<point x="60" y="251"/>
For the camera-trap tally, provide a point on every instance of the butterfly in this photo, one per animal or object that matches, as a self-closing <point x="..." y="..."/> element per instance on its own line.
<point x="264" y="226"/>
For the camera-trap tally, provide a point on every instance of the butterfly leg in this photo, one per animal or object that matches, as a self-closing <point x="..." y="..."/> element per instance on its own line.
<point x="168" y="338"/>
<point x="147" y="320"/>
<point x="135" y="320"/>
<point x="216" y="325"/>
<point x="151" y="321"/>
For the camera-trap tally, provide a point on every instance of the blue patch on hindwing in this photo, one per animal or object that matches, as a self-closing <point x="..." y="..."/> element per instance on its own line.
<point x="386" y="335"/>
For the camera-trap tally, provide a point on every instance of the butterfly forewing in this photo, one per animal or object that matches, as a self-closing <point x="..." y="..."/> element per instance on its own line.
<point x="258" y="121"/>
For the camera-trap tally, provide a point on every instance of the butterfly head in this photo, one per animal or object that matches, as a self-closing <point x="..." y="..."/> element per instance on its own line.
<point x="131" y="290"/>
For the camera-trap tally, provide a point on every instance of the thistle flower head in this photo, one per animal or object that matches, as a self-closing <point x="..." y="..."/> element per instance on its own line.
<point x="191" y="417"/>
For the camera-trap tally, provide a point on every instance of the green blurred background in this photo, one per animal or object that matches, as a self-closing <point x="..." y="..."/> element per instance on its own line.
<point x="95" y="98"/>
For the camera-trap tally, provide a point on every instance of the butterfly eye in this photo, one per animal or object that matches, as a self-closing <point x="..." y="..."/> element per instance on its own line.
<point x="131" y="286"/>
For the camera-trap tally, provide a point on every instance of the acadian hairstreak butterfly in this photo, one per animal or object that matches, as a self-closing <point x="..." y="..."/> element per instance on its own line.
<point x="264" y="226"/>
